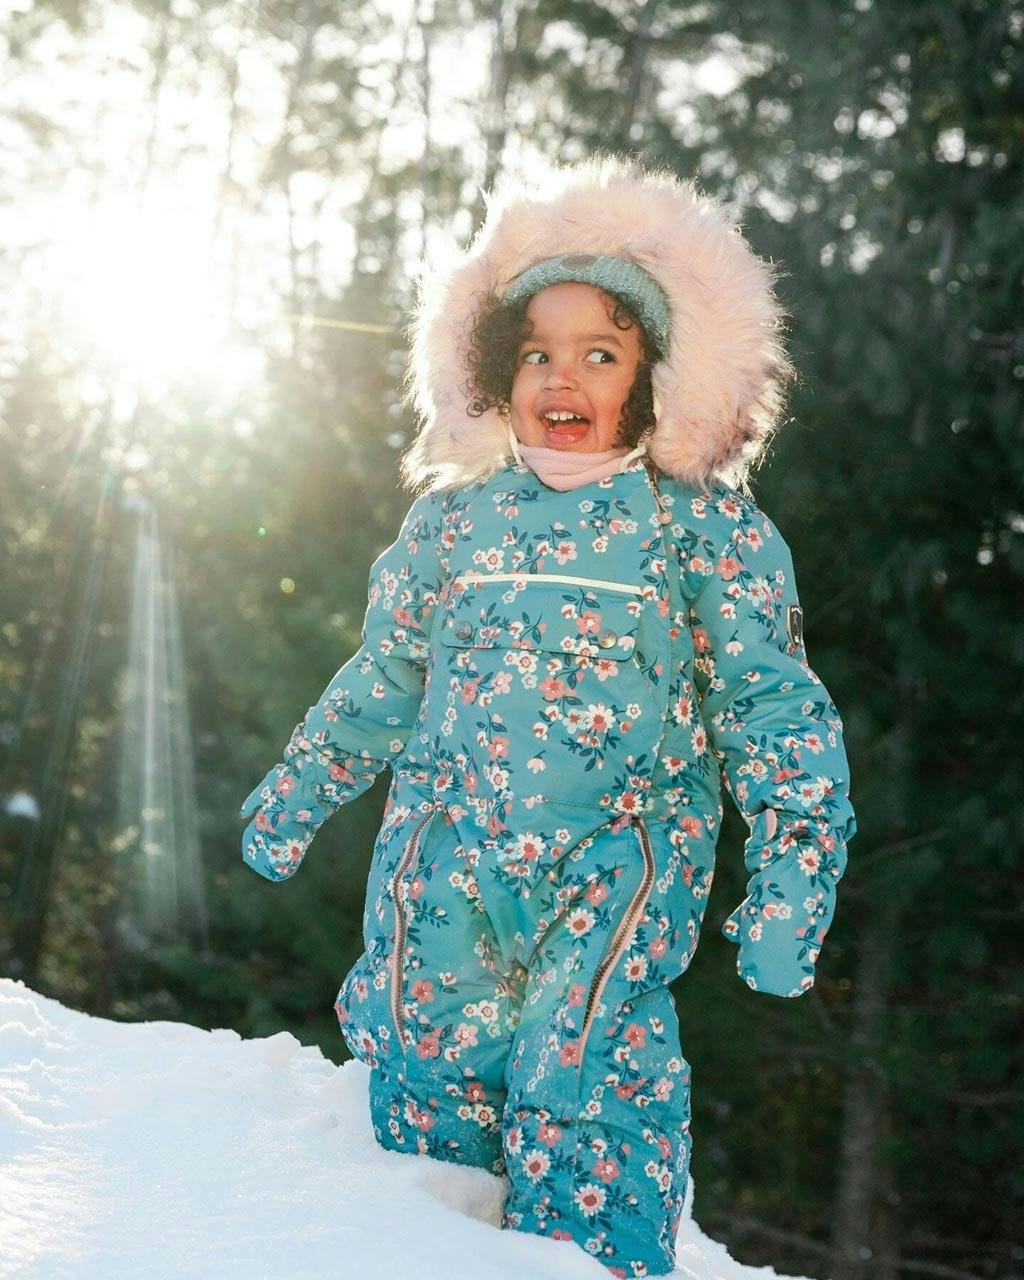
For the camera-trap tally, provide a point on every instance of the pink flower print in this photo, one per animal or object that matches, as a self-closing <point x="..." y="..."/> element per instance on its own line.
<point x="570" y="1054"/>
<point x="626" y="1090"/>
<point x="470" y="690"/>
<point x="663" y="1089"/>
<point x="636" y="1035"/>
<point x="636" y="968"/>
<point x="606" y="1169"/>
<point x="429" y="1046"/>
<point x="589" y="622"/>
<point x="728" y="568"/>
<point x="560" y="1233"/>
<point x="536" y="1165"/>
<point x="658" y="948"/>
<point x="416" y="888"/>
<point x="699" y="740"/>
<point x="596" y="894"/>
<point x="683" y="710"/>
<point x="338" y="773"/>
<point x="754" y="540"/>
<point x="552" y="688"/>
<point x="466" y="1035"/>
<point x="497" y="748"/>
<point x="549" y="1134"/>
<point x="731" y="508"/>
<point x="591" y="1198"/>
<point x="475" y="1091"/>
<point x="665" y="1147"/>
<point x="422" y="1120"/>
<point x="422" y="991"/>
<point x="599" y="717"/>
<point x="701" y="640"/>
<point x="403" y="617"/>
<point x="575" y="997"/>
<point x="692" y="827"/>
<point x="285" y="785"/>
<point x="529" y="847"/>
<point x="565" y="551"/>
<point x="514" y="1140"/>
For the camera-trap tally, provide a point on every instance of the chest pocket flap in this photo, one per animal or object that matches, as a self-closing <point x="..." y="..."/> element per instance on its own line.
<point x="557" y="613"/>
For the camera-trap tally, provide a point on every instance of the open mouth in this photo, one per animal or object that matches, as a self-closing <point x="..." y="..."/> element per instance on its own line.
<point x="564" y="421"/>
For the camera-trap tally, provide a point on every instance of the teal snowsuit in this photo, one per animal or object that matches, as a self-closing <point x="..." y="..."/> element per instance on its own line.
<point x="558" y="682"/>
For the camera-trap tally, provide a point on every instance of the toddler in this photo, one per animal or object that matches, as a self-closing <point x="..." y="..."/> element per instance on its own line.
<point x="584" y="627"/>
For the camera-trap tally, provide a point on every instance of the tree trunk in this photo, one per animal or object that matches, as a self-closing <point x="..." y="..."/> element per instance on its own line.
<point x="859" y="1179"/>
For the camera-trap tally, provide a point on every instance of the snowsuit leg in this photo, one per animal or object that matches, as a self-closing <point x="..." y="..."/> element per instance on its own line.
<point x="596" y="1129"/>
<point x="429" y="1006"/>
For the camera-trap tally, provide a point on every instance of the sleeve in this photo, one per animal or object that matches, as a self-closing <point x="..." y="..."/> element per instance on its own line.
<point x="777" y="737"/>
<point x="364" y="717"/>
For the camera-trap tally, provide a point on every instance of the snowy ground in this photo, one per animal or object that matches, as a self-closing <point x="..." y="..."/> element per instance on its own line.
<point x="157" y="1149"/>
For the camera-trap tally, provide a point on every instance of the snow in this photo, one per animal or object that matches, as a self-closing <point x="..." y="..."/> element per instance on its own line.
<point x="157" y="1149"/>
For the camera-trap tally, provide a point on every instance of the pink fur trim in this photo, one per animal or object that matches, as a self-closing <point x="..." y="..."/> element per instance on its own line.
<point x="719" y="392"/>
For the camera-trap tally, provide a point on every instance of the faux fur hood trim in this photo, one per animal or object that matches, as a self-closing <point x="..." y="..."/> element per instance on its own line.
<point x="718" y="393"/>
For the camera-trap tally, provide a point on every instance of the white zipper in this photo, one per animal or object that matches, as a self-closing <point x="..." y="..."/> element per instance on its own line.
<point x="399" y="888"/>
<point x="622" y="937"/>
<point x="628" y="587"/>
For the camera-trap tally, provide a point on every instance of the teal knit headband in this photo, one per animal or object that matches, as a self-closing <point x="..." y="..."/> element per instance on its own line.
<point x="621" y="277"/>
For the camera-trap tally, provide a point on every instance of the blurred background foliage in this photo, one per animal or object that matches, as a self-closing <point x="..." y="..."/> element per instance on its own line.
<point x="213" y="216"/>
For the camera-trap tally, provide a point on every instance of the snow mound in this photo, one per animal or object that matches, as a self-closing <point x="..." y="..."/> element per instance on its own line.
<point x="157" y="1149"/>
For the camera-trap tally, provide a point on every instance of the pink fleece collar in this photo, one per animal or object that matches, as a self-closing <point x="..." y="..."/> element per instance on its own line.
<point x="567" y="469"/>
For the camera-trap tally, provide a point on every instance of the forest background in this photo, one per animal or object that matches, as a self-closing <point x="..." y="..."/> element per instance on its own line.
<point x="212" y="217"/>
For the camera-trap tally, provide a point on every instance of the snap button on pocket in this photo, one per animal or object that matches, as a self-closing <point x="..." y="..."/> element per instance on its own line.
<point x="464" y="630"/>
<point x="607" y="638"/>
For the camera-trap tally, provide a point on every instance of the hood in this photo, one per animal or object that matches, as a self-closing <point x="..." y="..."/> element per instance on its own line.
<point x="718" y="392"/>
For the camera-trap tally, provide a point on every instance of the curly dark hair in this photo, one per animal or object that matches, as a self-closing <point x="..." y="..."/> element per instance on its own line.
<point x="495" y="337"/>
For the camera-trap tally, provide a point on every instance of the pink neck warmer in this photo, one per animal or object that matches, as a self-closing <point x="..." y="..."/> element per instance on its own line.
<point x="568" y="469"/>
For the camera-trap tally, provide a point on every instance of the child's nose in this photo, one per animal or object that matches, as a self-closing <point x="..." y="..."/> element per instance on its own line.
<point x="560" y="374"/>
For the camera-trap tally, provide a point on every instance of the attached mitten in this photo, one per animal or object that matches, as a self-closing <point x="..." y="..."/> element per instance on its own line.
<point x="297" y="797"/>
<point x="781" y="924"/>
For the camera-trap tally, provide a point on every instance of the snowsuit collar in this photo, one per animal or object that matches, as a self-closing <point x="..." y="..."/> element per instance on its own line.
<point x="562" y="470"/>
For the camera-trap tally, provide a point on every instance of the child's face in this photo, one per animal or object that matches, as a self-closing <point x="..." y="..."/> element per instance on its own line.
<point x="575" y="359"/>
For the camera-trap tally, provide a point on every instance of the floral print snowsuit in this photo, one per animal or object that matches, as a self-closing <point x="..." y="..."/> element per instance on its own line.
<point x="559" y="682"/>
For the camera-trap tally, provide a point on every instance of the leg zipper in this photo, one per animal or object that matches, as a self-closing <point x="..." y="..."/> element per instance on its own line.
<point x="622" y="937"/>
<point x="399" y="888"/>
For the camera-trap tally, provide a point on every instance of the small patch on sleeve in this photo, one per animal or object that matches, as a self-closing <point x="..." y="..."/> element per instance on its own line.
<point x="795" y="625"/>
